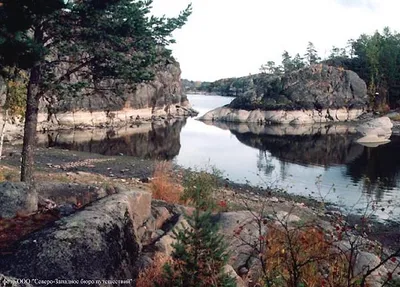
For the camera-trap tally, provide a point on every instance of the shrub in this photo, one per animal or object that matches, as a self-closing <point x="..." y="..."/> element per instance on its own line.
<point x="302" y="257"/>
<point x="153" y="275"/>
<point x="163" y="186"/>
<point x="201" y="185"/>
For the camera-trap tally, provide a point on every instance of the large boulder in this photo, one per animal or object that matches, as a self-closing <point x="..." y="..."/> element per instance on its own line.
<point x="375" y="131"/>
<point x="315" y="94"/>
<point x="102" y="241"/>
<point x="17" y="198"/>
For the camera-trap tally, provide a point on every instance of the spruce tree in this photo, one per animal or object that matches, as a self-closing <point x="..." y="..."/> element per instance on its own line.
<point x="311" y="54"/>
<point x="200" y="252"/>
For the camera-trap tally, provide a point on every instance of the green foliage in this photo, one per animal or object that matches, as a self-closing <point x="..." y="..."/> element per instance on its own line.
<point x="200" y="188"/>
<point x="200" y="252"/>
<point x="287" y="63"/>
<point x="74" y="48"/>
<point x="16" y="94"/>
<point x="271" y="69"/>
<point x="376" y="59"/>
<point x="92" y="40"/>
<point x="230" y="87"/>
<point x="311" y="54"/>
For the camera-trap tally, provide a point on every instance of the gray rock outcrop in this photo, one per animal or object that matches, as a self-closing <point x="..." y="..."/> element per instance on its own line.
<point x="100" y="242"/>
<point x="161" y="97"/>
<point x="17" y="198"/>
<point x="315" y="94"/>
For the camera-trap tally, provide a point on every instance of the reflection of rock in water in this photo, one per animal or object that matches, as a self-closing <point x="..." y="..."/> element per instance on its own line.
<point x="323" y="145"/>
<point x="317" y="149"/>
<point x="381" y="165"/>
<point x="149" y="141"/>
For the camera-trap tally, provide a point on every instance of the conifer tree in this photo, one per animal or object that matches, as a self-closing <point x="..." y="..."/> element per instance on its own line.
<point x="200" y="252"/>
<point x="89" y="40"/>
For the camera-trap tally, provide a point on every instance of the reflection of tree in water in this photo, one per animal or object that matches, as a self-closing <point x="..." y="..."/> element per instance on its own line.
<point x="317" y="149"/>
<point x="376" y="189"/>
<point x="381" y="165"/>
<point x="159" y="142"/>
<point x="264" y="163"/>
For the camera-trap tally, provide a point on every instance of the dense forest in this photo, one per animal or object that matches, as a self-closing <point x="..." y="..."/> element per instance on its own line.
<point x="375" y="58"/>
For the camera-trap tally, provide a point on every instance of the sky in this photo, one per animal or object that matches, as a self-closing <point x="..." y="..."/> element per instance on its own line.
<point x="232" y="38"/>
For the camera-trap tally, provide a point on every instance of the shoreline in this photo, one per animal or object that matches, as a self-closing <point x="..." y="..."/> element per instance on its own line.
<point x="67" y="166"/>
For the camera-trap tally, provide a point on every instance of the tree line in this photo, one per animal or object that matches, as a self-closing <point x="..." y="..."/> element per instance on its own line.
<point x="375" y="58"/>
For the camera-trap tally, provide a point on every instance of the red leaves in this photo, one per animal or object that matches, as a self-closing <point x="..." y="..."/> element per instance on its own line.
<point x="238" y="230"/>
<point x="11" y="230"/>
<point x="393" y="259"/>
<point x="222" y="204"/>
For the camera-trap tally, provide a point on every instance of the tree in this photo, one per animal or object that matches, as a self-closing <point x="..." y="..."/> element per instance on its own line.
<point x="287" y="63"/>
<point x="89" y="40"/>
<point x="311" y="54"/>
<point x="200" y="252"/>
<point x="271" y="68"/>
<point x="298" y="62"/>
<point x="335" y="53"/>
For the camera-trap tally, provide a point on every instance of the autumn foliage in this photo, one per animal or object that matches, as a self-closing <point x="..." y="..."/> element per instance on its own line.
<point x="302" y="257"/>
<point x="153" y="275"/>
<point x="163" y="186"/>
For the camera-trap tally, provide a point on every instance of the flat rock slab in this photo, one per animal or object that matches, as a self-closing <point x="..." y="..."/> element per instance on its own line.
<point x="99" y="242"/>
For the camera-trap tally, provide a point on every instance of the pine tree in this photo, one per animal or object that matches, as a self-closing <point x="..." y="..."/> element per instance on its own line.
<point x="298" y="62"/>
<point x="311" y="54"/>
<point x="287" y="63"/>
<point x="89" y="40"/>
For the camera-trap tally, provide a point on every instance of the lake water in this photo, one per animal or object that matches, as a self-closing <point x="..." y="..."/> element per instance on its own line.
<point x="292" y="158"/>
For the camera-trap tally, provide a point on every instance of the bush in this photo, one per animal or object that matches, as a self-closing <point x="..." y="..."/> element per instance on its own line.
<point x="200" y="188"/>
<point x="162" y="185"/>
<point x="154" y="272"/>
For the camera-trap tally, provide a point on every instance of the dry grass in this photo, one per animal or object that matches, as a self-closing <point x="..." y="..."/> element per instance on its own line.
<point x="163" y="185"/>
<point x="8" y="174"/>
<point x="395" y="118"/>
<point x="154" y="274"/>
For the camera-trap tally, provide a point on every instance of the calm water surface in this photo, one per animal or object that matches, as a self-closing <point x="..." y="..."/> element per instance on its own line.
<point x="344" y="171"/>
<point x="279" y="156"/>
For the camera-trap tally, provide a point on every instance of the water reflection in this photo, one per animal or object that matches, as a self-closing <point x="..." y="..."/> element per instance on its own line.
<point x="375" y="170"/>
<point x="150" y="141"/>
<point x="381" y="165"/>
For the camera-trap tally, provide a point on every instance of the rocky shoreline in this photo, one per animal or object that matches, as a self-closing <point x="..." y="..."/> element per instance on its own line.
<point x="145" y="228"/>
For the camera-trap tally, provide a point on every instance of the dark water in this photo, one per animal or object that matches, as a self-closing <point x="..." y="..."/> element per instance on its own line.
<point x="291" y="158"/>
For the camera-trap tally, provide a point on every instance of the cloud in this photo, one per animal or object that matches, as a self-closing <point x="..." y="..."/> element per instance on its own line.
<point x="369" y="4"/>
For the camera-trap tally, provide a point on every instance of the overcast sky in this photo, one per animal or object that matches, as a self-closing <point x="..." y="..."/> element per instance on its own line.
<point x="230" y="38"/>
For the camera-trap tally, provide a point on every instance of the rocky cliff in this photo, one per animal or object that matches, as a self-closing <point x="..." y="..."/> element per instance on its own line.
<point x="318" y="93"/>
<point x="161" y="97"/>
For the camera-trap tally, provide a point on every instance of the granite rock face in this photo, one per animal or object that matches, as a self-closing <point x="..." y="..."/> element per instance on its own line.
<point x="162" y="97"/>
<point x="17" y="198"/>
<point x="315" y="94"/>
<point x="102" y="241"/>
<point x="316" y="87"/>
